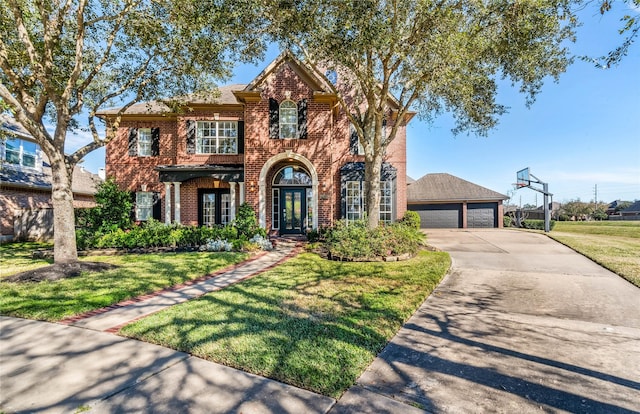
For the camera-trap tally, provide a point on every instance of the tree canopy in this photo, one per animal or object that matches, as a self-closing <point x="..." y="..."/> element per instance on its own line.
<point x="431" y="56"/>
<point x="60" y="59"/>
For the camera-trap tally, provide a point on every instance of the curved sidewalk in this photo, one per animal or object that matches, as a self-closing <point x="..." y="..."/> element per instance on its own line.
<point x="112" y="318"/>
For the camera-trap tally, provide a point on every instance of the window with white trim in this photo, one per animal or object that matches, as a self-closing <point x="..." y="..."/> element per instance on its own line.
<point x="386" y="202"/>
<point x="225" y="208"/>
<point x="144" y="142"/>
<point x="356" y="203"/>
<point x="20" y="152"/>
<point x="354" y="200"/>
<point x="144" y="205"/>
<point x="288" y="119"/>
<point x="217" y="137"/>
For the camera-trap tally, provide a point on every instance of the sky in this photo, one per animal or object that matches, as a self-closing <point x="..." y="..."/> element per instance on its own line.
<point x="581" y="136"/>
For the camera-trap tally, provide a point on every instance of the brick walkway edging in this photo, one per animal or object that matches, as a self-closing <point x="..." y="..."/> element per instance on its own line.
<point x="73" y="319"/>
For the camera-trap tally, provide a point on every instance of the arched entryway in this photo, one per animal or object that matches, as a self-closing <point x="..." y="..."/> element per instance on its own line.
<point x="292" y="197"/>
<point x="288" y="190"/>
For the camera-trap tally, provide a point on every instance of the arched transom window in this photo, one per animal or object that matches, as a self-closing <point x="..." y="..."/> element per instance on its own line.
<point x="292" y="175"/>
<point x="288" y="119"/>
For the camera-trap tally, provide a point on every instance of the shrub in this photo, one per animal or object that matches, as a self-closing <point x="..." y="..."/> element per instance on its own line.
<point x="262" y="242"/>
<point x="217" y="246"/>
<point x="246" y="222"/>
<point x="355" y="241"/>
<point x="537" y="224"/>
<point x="112" y="211"/>
<point x="506" y="221"/>
<point x="411" y="219"/>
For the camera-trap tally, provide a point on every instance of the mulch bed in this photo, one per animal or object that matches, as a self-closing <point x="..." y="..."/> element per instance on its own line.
<point x="59" y="271"/>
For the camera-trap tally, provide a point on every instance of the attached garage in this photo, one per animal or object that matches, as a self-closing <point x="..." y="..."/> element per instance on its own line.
<point x="445" y="201"/>
<point x="482" y="215"/>
<point x="434" y="216"/>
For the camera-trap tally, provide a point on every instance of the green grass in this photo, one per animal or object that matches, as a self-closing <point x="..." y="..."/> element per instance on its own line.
<point x="613" y="244"/>
<point x="309" y="322"/>
<point x="16" y="257"/>
<point x="137" y="274"/>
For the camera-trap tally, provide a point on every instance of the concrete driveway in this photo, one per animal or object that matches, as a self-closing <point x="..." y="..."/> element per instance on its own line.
<point x="521" y="324"/>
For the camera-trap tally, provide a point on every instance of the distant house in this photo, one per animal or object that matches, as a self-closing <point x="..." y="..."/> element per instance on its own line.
<point x="632" y="212"/>
<point x="445" y="201"/>
<point x="25" y="186"/>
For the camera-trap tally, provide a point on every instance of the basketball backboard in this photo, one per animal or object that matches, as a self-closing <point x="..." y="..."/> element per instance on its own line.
<point x="522" y="178"/>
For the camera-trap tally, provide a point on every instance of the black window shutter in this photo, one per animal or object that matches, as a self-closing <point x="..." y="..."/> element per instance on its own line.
<point x="274" y="119"/>
<point x="240" y="137"/>
<point x="353" y="140"/>
<point x="155" y="142"/>
<point x="133" y="142"/>
<point x="157" y="212"/>
<point x="191" y="137"/>
<point x="302" y="119"/>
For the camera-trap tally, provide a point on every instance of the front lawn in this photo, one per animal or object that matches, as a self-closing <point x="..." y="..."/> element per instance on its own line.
<point x="135" y="275"/>
<point x="612" y="244"/>
<point x="310" y="322"/>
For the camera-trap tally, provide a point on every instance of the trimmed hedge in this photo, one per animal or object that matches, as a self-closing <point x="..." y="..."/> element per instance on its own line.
<point x="537" y="224"/>
<point x="354" y="240"/>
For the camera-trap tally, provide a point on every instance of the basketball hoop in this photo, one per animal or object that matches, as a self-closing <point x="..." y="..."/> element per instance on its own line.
<point x="522" y="178"/>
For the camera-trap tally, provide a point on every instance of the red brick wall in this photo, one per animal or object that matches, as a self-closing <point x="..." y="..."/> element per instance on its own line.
<point x="12" y="199"/>
<point x="327" y="147"/>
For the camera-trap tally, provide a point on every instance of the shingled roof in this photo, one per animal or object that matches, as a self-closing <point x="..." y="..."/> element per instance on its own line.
<point x="443" y="187"/>
<point x="223" y="96"/>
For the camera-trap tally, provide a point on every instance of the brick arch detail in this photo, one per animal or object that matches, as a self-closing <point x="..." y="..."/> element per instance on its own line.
<point x="262" y="182"/>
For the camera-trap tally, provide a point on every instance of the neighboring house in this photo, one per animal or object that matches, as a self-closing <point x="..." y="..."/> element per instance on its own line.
<point x="280" y="143"/>
<point x="632" y="212"/>
<point x="445" y="201"/>
<point x="25" y="186"/>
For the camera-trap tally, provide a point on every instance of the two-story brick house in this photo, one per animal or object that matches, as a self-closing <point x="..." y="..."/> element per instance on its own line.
<point x="280" y="143"/>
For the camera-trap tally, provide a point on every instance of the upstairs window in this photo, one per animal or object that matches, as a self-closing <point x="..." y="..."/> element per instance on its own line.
<point x="144" y="142"/>
<point x="20" y="152"/>
<point x="217" y="137"/>
<point x="288" y="119"/>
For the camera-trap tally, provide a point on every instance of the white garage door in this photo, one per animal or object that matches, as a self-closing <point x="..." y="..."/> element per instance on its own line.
<point x="482" y="215"/>
<point x="439" y="216"/>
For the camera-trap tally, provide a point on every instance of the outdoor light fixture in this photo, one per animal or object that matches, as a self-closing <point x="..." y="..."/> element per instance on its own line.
<point x="216" y="116"/>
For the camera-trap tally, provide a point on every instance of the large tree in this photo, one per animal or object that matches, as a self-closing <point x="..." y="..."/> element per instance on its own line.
<point x="432" y="56"/>
<point x="60" y="59"/>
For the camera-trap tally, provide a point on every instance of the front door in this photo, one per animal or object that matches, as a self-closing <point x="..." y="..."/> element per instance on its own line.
<point x="293" y="203"/>
<point x="213" y="207"/>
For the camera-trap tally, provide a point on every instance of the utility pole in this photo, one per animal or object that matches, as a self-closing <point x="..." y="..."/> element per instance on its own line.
<point x="595" y="190"/>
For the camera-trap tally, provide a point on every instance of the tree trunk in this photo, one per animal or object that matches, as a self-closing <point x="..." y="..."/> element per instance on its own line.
<point x="372" y="172"/>
<point x="64" y="234"/>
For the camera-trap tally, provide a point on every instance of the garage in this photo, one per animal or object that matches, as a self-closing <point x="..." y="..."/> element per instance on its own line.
<point x="481" y="215"/>
<point x="445" y="201"/>
<point x="437" y="216"/>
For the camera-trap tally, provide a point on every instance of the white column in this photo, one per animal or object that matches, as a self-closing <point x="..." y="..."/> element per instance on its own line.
<point x="232" y="207"/>
<point x="176" y="185"/>
<point x="241" y="193"/>
<point x="167" y="203"/>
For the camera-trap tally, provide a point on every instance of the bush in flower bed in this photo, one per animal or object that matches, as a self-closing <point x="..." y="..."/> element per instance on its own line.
<point x="154" y="233"/>
<point x="354" y="241"/>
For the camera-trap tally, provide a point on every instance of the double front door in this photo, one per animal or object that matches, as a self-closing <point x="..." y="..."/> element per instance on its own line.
<point x="293" y="205"/>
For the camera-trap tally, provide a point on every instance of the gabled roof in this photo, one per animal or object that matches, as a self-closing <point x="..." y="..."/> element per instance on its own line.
<point x="633" y="208"/>
<point x="301" y="69"/>
<point x="442" y="187"/>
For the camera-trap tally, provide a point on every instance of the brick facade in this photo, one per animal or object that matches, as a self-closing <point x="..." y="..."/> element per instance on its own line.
<point x="322" y="153"/>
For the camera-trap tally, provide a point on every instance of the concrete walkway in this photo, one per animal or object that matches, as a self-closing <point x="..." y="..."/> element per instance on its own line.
<point x="521" y="324"/>
<point x="113" y="318"/>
